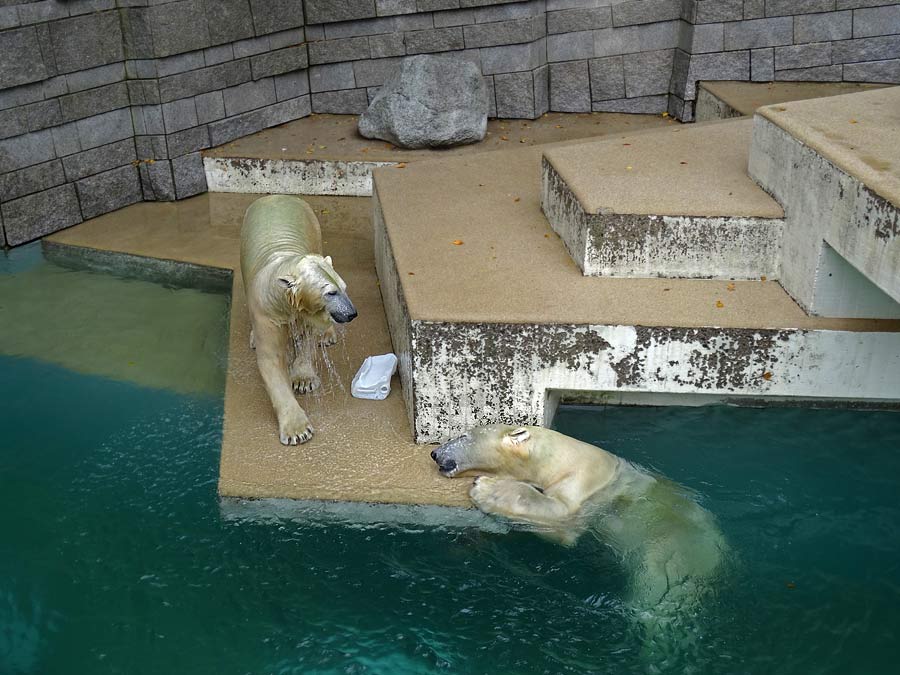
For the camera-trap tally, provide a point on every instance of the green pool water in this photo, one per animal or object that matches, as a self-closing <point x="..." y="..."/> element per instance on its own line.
<point x="115" y="556"/>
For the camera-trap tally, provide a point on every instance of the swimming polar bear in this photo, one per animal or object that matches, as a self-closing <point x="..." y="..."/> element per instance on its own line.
<point x="292" y="292"/>
<point x="564" y="488"/>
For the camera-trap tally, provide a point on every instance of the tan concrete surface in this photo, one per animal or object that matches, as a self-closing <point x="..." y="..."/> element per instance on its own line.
<point x="362" y="450"/>
<point x="334" y="137"/>
<point x="746" y="97"/>
<point x="511" y="267"/>
<point x="858" y="133"/>
<point x="685" y="170"/>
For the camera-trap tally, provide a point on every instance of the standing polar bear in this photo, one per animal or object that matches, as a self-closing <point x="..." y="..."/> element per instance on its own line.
<point x="564" y="487"/>
<point x="292" y="292"/>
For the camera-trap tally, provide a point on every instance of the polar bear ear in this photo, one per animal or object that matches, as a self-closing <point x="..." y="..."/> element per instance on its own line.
<point x="515" y="441"/>
<point x="328" y="260"/>
<point x="519" y="435"/>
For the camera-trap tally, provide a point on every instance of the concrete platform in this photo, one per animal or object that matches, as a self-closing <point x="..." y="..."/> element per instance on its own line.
<point x="363" y="450"/>
<point x="325" y="155"/>
<point x="834" y="165"/>
<point x="726" y="99"/>
<point x="492" y="319"/>
<point x="669" y="203"/>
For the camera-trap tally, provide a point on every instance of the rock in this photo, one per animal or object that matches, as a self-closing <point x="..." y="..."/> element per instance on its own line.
<point x="431" y="101"/>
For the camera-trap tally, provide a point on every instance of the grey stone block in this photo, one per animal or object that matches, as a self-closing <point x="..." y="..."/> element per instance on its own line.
<point x="31" y="179"/>
<point x="287" y="38"/>
<point x="201" y="81"/>
<point x="438" y="5"/>
<point x="391" y="7"/>
<point x="21" y="151"/>
<point x="573" y="20"/>
<point x="279" y="62"/>
<point x="28" y="93"/>
<point x="876" y="21"/>
<point x="141" y="69"/>
<point x="762" y="65"/>
<point x="877" y="71"/>
<point x="97" y="160"/>
<point x="247" y="123"/>
<point x="28" y="218"/>
<point x="105" y="128"/>
<point x="180" y="63"/>
<point x="87" y="41"/>
<point x="789" y="7"/>
<point x="648" y="105"/>
<point x="157" y="182"/>
<point x="55" y="86"/>
<point x="31" y="117"/>
<point x="818" y="74"/>
<point x="541" y="78"/>
<point x="514" y="93"/>
<point x="188" y="140"/>
<point x="328" y="11"/>
<point x="823" y="27"/>
<point x="757" y="33"/>
<point x="179" y="27"/>
<point x="570" y="46"/>
<point x="703" y="38"/>
<point x="95" y="77"/>
<point x="492" y="98"/>
<point x="375" y="72"/>
<point x="681" y="110"/>
<point x="645" y="11"/>
<point x="12" y="122"/>
<point x="137" y="33"/>
<point x="210" y="107"/>
<point x="570" y="87"/>
<point x="334" y="51"/>
<point x="721" y="66"/>
<point x="220" y="54"/>
<point x="436" y="40"/>
<point x="249" y="96"/>
<point x="41" y="12"/>
<point x="503" y="32"/>
<point x="390" y="44"/>
<point x="513" y="58"/>
<point x="228" y="20"/>
<point x="344" y="102"/>
<point x="251" y="46"/>
<point x="271" y="16"/>
<point x="291" y="85"/>
<point x="456" y="17"/>
<point x="43" y="36"/>
<point x="803" y="56"/>
<point x="9" y="17"/>
<point x="108" y="191"/>
<point x="866" y="49"/>
<point x="632" y="39"/>
<point x="178" y="115"/>
<point x="607" y="78"/>
<point x="856" y="4"/>
<point x="143" y="92"/>
<point x="314" y="33"/>
<point x="151" y="147"/>
<point x="714" y="11"/>
<point x="22" y="61"/>
<point x="754" y="9"/>
<point x="331" y="77"/>
<point x="648" y="73"/>
<point x="94" y="101"/>
<point x="503" y="10"/>
<point x="65" y="139"/>
<point x="77" y="7"/>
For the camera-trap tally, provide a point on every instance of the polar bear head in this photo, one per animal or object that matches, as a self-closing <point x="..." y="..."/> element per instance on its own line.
<point x="496" y="449"/>
<point x="315" y="289"/>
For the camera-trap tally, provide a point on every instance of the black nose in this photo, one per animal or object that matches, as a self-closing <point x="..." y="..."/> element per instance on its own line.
<point x="434" y="455"/>
<point x="352" y="315"/>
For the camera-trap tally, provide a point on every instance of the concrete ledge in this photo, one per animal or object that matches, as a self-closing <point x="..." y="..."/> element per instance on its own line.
<point x="675" y="203"/>
<point x="832" y="164"/>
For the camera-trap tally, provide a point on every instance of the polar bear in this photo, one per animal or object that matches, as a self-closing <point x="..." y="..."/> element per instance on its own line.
<point x="292" y="293"/>
<point x="563" y="488"/>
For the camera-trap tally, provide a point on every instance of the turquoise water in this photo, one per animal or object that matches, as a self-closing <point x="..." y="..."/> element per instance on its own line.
<point x="116" y="557"/>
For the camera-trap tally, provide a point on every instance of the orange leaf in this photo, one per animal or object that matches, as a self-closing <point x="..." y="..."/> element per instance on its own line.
<point x="457" y="242"/>
<point x="401" y="165"/>
<point x="767" y="376"/>
<point x="517" y="199"/>
<point x="720" y="304"/>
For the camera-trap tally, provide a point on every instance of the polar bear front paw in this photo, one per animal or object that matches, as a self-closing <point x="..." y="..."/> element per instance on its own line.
<point x="295" y="429"/>
<point x="484" y="493"/>
<point x="306" y="383"/>
<point x="329" y="337"/>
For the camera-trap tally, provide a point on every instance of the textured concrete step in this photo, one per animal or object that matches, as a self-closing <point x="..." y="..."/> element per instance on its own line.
<point x="492" y="319"/>
<point x="726" y="99"/>
<point x="671" y="203"/>
<point x="834" y="164"/>
<point x="325" y="155"/>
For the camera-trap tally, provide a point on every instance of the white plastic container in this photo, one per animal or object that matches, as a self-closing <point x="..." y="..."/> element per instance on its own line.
<point x="373" y="380"/>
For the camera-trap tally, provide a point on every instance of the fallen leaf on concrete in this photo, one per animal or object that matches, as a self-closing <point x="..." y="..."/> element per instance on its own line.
<point x="412" y="274"/>
<point x="767" y="375"/>
<point x="780" y="108"/>
<point x="626" y="143"/>
<point x="560" y="126"/>
<point x="522" y="140"/>
<point x="628" y="168"/>
<point x="665" y="114"/>
<point x="720" y="304"/>
<point x="401" y="165"/>
<point x="546" y="236"/>
<point x="517" y="199"/>
<point x="730" y="286"/>
<point x="853" y="122"/>
<point x="682" y="162"/>
<point x="504" y="138"/>
<point x="457" y="242"/>
<point x="667" y="289"/>
<point x="762" y="278"/>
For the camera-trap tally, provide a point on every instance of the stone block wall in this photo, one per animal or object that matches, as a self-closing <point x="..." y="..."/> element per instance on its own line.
<point x="104" y="103"/>
<point x="107" y="102"/>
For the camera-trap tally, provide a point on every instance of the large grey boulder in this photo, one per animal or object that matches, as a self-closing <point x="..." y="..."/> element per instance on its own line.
<point x="430" y="101"/>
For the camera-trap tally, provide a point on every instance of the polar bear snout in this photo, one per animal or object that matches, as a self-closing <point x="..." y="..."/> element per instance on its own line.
<point x="340" y="308"/>
<point x="446" y="465"/>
